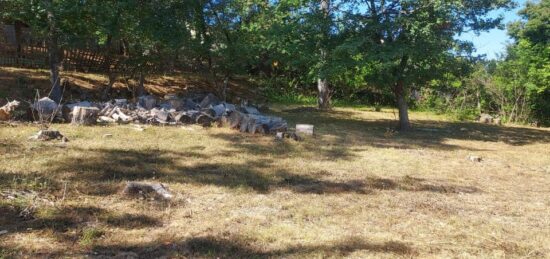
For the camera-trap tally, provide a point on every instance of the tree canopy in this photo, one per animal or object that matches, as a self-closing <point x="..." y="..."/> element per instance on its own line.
<point x="392" y="47"/>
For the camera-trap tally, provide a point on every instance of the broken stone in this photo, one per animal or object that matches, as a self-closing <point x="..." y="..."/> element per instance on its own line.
<point x="209" y="100"/>
<point x="45" y="108"/>
<point x="218" y="110"/>
<point x="6" y="110"/>
<point x="105" y="119"/>
<point x="84" y="115"/>
<point x="159" y="115"/>
<point x="173" y="111"/>
<point x="229" y="108"/>
<point x="46" y="135"/>
<point x="251" y="110"/>
<point x="174" y="102"/>
<point x="121" y="102"/>
<point x="474" y="158"/>
<point x="190" y="105"/>
<point x="147" y="190"/>
<point x="67" y="110"/>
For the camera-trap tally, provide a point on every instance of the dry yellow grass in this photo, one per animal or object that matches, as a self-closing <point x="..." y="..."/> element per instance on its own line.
<point x="356" y="190"/>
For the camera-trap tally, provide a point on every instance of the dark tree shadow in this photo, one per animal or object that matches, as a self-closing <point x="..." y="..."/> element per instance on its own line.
<point x="65" y="222"/>
<point x="245" y="143"/>
<point x="10" y="146"/>
<point x="236" y="247"/>
<point x="93" y="176"/>
<point x="426" y="133"/>
<point x="131" y="221"/>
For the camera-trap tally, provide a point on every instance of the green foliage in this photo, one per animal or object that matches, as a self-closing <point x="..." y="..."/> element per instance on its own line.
<point x="523" y="77"/>
<point x="364" y="49"/>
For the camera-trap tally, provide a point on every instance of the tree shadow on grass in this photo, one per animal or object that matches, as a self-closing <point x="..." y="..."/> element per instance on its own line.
<point x="305" y="184"/>
<point x="9" y="146"/>
<point x="235" y="247"/>
<point x="334" y="150"/>
<point x="95" y="177"/>
<point x="66" y="221"/>
<point x="425" y="134"/>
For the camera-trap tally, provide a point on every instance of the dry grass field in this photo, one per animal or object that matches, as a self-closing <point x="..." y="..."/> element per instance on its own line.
<point x="355" y="190"/>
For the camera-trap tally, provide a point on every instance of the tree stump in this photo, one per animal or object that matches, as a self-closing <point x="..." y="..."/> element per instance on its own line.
<point x="244" y="123"/>
<point x="160" y="115"/>
<point x="46" y="135"/>
<point x="205" y="120"/>
<point x="235" y="119"/>
<point x="183" y="117"/>
<point x="85" y="115"/>
<point x="155" y="191"/>
<point x="218" y="110"/>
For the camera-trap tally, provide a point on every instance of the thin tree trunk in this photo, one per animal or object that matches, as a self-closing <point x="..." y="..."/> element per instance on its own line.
<point x="141" y="88"/>
<point x="18" y="36"/>
<point x="110" y="71"/>
<point x="478" y="98"/>
<point x="224" y="87"/>
<point x="56" y="92"/>
<point x="323" y="88"/>
<point x="402" y="105"/>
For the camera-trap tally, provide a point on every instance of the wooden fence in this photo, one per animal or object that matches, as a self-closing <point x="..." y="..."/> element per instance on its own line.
<point x="19" y="49"/>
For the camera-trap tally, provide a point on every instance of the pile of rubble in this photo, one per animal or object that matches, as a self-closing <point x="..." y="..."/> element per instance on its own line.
<point x="171" y="110"/>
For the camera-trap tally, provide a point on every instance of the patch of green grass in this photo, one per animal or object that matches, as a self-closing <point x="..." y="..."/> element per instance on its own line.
<point x="6" y="253"/>
<point x="293" y="98"/>
<point x="37" y="183"/>
<point x="90" y="235"/>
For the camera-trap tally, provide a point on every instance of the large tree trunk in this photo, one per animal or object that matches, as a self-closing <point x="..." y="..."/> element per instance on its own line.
<point x="402" y="105"/>
<point x="56" y="92"/>
<point x="323" y="99"/>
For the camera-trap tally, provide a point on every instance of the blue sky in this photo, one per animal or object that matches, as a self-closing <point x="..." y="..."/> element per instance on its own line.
<point x="493" y="43"/>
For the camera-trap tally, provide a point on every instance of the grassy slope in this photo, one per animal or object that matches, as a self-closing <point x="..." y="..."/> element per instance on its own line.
<point x="355" y="190"/>
<point x="21" y="84"/>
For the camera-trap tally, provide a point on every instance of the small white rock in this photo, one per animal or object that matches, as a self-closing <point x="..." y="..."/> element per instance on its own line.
<point x="475" y="158"/>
